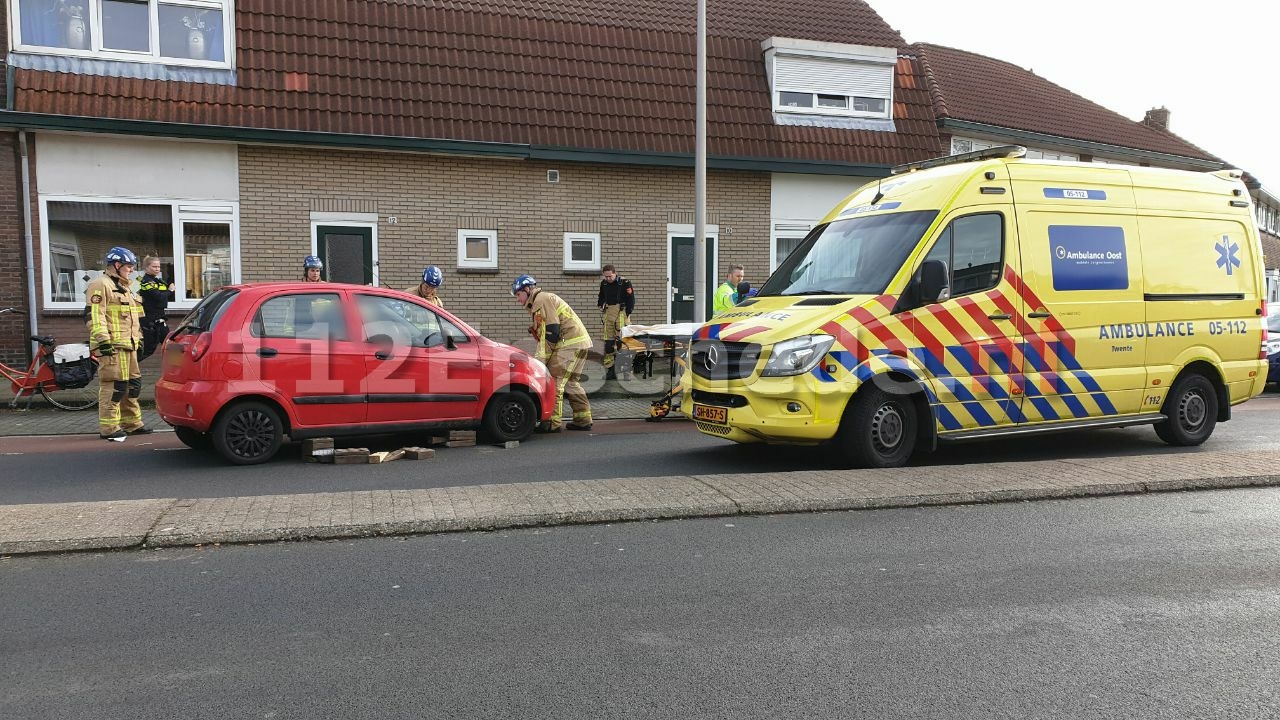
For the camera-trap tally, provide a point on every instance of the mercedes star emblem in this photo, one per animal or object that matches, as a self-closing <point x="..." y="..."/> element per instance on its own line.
<point x="712" y="359"/>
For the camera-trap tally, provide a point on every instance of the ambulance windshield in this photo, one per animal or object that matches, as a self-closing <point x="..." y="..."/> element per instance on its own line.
<point x="856" y="256"/>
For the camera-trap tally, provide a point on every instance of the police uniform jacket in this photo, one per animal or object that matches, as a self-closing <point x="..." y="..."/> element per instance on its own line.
<point x="155" y="296"/>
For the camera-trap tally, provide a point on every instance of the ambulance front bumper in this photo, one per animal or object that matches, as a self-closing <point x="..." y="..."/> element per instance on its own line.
<point x="785" y="410"/>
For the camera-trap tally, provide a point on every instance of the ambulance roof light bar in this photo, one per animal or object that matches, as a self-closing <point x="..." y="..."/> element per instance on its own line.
<point x="1000" y="151"/>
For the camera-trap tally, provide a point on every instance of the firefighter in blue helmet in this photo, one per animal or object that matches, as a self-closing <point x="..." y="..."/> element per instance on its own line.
<point x="311" y="267"/>
<point x="563" y="343"/>
<point x="429" y="288"/>
<point x="112" y="312"/>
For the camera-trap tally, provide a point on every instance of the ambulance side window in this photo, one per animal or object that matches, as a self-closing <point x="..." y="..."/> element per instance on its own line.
<point x="973" y="248"/>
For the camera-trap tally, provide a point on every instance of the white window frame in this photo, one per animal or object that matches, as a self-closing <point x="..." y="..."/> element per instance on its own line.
<point x="856" y="57"/>
<point x="182" y="211"/>
<point x="491" y="263"/>
<point x="786" y="231"/>
<point x="97" y="52"/>
<point x="570" y="263"/>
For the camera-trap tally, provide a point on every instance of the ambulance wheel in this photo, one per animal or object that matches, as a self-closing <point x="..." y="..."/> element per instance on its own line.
<point x="878" y="430"/>
<point x="1192" y="411"/>
<point x="510" y="416"/>
<point x="248" y="433"/>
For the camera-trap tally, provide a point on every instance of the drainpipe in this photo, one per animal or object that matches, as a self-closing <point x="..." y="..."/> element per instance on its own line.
<point x="28" y="252"/>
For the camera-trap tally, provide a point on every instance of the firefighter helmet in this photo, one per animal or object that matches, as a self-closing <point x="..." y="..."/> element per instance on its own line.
<point x="524" y="282"/>
<point x="121" y="255"/>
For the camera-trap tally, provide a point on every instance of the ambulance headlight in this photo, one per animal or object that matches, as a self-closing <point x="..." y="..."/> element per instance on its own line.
<point x="797" y="355"/>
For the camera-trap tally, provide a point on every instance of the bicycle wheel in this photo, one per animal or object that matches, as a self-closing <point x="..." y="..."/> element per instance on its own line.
<point x="79" y="399"/>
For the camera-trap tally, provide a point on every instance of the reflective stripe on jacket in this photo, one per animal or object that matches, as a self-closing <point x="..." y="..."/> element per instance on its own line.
<point x="155" y="296"/>
<point x="113" y="312"/>
<point x="724" y="298"/>
<point x="434" y="299"/>
<point x="549" y="309"/>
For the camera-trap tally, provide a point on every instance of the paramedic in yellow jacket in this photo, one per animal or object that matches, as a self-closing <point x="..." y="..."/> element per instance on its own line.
<point x="112" y="312"/>
<point x="562" y="344"/>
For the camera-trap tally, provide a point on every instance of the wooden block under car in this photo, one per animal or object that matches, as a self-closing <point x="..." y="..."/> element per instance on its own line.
<point x="510" y="444"/>
<point x="351" y="456"/>
<point x="310" y="445"/>
<point x="385" y="456"/>
<point x="318" y="449"/>
<point x="419" y="453"/>
<point x="461" y="438"/>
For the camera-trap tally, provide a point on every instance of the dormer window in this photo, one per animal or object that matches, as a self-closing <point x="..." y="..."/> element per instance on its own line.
<point x="171" y="32"/>
<point x="807" y="77"/>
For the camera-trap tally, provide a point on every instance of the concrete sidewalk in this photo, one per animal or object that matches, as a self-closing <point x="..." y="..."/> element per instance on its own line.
<point x="198" y="521"/>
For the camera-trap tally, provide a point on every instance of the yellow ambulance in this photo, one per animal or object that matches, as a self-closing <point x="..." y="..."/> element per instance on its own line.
<point x="985" y="295"/>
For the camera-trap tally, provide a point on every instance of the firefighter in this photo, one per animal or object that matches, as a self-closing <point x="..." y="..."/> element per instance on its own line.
<point x="311" y="267"/>
<point x="616" y="300"/>
<point x="563" y="343"/>
<point x="112" y="312"/>
<point x="429" y="288"/>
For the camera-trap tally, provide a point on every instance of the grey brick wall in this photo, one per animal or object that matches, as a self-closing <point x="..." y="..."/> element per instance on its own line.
<point x="432" y="197"/>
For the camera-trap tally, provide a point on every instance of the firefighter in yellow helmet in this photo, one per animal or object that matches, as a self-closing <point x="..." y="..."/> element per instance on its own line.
<point x="112" y="313"/>
<point x="562" y="344"/>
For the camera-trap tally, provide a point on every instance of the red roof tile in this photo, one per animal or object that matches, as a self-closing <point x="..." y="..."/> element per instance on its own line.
<point x="590" y="74"/>
<point x="980" y="89"/>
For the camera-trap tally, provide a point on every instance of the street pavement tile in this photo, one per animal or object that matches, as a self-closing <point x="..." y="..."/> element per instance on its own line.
<point x="58" y="527"/>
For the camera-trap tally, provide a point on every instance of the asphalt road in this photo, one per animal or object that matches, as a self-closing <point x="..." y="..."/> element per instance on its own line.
<point x="1128" y="607"/>
<point x="80" y="468"/>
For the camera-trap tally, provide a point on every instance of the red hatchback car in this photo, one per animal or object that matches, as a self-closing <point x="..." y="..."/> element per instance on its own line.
<point x="252" y="364"/>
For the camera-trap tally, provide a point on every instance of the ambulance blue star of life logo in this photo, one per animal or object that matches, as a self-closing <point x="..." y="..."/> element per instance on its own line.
<point x="1227" y="254"/>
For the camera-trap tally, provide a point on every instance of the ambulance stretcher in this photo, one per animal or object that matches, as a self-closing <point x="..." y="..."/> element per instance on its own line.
<point x="649" y="342"/>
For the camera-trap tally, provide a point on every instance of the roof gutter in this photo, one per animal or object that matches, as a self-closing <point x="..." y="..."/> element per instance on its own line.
<point x="388" y="143"/>
<point x="1025" y="137"/>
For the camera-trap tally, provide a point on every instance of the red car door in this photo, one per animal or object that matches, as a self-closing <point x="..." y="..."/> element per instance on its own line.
<point x="419" y="366"/>
<point x="303" y="348"/>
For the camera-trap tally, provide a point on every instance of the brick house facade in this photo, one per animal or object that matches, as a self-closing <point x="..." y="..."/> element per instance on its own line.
<point x="407" y="124"/>
<point x="432" y="197"/>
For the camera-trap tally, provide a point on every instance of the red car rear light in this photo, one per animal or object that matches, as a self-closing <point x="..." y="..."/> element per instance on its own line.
<point x="202" y="343"/>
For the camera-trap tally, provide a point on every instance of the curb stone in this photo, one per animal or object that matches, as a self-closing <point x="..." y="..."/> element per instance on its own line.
<point x="26" y="529"/>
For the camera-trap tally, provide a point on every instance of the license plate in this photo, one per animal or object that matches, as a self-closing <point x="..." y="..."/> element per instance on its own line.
<point x="711" y="414"/>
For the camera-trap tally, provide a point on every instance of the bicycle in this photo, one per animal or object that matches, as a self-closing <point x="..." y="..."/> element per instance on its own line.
<point x="39" y="377"/>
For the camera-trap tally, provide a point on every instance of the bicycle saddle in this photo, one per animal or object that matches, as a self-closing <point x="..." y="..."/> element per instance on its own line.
<point x="43" y="339"/>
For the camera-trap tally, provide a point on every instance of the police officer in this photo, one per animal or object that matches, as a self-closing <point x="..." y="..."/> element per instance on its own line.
<point x="112" y="312"/>
<point x="563" y="343"/>
<point x="429" y="288"/>
<point x="154" y="292"/>
<point x="616" y="300"/>
<point x="311" y="267"/>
